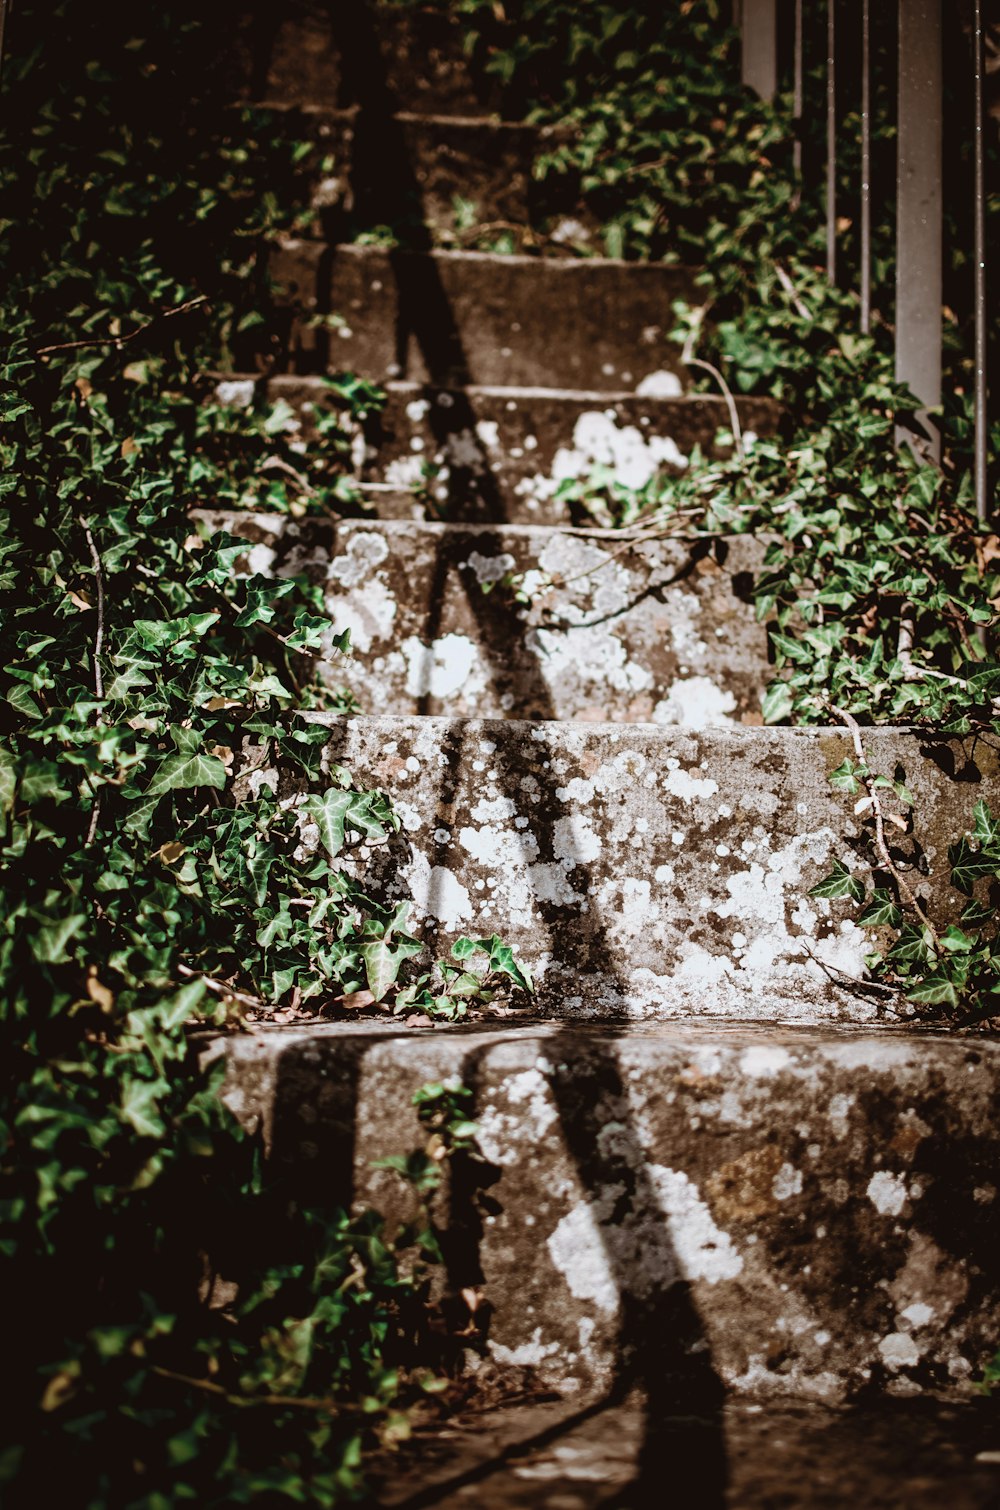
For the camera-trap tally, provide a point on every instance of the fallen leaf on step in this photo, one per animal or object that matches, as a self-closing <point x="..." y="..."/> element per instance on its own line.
<point x="355" y="999"/>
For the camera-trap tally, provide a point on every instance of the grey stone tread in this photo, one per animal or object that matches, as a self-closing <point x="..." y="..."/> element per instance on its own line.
<point x="661" y="631"/>
<point x="502" y="452"/>
<point x="643" y="870"/>
<point x="699" y="1208"/>
<point x="890" y="1455"/>
<point x="453" y="318"/>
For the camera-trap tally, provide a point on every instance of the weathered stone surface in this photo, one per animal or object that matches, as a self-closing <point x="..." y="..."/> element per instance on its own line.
<point x="783" y="1212"/>
<point x="454" y="318"/>
<point x="656" y="872"/>
<point x="306" y="52"/>
<point x="502" y="453"/>
<point x="660" y="632"/>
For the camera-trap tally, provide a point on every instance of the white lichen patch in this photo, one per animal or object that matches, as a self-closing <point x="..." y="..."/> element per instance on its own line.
<point x="599" y="441"/>
<point x="763" y="1060"/>
<point x="364" y="553"/>
<point x="574" y="841"/>
<point x="671" y="1237"/>
<point x="443" y="668"/>
<point x="660" y="385"/>
<point x="887" y="1192"/>
<point x="899" y="1350"/>
<point x="259" y="561"/>
<point x="368" y="612"/>
<point x="530" y="1354"/>
<point x="549" y="884"/>
<point x="405" y="472"/>
<point x="490" y="568"/>
<point x="696" y="702"/>
<point x="688" y="787"/>
<point x="523" y="1111"/>
<point x="437" y="892"/>
<point x="787" y="1183"/>
<point x="238" y="393"/>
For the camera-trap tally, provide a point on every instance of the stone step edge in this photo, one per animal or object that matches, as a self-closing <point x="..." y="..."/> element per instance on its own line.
<point x="596" y="729"/>
<point x="278" y="523"/>
<point x="551" y="266"/>
<point x="347" y="114"/>
<point x="600" y="398"/>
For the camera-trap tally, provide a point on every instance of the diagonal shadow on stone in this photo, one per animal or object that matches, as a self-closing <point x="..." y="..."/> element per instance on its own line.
<point x="662" y="1345"/>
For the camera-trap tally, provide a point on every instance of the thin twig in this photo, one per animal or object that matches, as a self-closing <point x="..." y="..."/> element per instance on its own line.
<point x="164" y="314"/>
<point x="95" y="557"/>
<point x="727" y="394"/>
<point x="887" y="862"/>
<point x="690" y="360"/>
<point x="99" y="579"/>
<point x="801" y="309"/>
<point x="209" y="1387"/>
<point x="278" y="464"/>
<point x="221" y="989"/>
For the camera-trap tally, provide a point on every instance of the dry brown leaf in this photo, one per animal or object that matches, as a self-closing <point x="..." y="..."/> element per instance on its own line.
<point x="355" y="999"/>
<point x="223" y="753"/>
<point x="98" y="992"/>
<point x="170" y="852"/>
<point x="129" y="447"/>
<point x="84" y="387"/>
<point x="79" y="601"/>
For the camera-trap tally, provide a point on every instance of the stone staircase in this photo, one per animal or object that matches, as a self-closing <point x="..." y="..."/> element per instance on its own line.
<point x="719" y="1163"/>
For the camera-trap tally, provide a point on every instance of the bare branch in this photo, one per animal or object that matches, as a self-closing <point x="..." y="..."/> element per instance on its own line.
<point x="164" y="314"/>
<point x="882" y="847"/>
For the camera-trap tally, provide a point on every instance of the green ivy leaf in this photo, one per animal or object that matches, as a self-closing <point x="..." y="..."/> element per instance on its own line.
<point x="383" y="959"/>
<point x="179" y="771"/>
<point x="839" y="883"/>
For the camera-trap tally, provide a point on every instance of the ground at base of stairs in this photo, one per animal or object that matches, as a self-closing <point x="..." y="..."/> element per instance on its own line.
<point x="907" y="1455"/>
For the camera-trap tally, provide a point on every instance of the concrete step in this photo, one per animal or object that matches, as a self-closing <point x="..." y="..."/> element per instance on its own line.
<point x="461" y="318"/>
<point x="458" y="181"/>
<point x="650" y="872"/>
<point x="503" y="453"/>
<point x="311" y="52"/>
<point x="563" y="1455"/>
<point x="699" y="1210"/>
<point x="662" y="631"/>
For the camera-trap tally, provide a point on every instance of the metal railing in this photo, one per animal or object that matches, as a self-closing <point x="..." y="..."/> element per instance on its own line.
<point x="918" y="321"/>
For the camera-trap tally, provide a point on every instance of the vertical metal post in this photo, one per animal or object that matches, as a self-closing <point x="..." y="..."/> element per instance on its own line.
<point x="979" y="257"/>
<point x="866" y="169"/>
<point x="759" y="21"/>
<point x="831" y="140"/>
<point x="918" y="204"/>
<point x="798" y="96"/>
